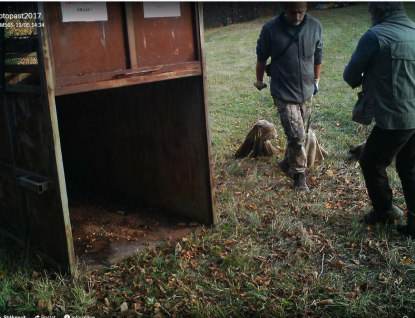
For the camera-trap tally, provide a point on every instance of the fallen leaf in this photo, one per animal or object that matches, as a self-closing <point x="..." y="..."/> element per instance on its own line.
<point x="324" y="302"/>
<point x="124" y="307"/>
<point x="45" y="305"/>
<point x="351" y="295"/>
<point x="406" y="260"/>
<point x="337" y="263"/>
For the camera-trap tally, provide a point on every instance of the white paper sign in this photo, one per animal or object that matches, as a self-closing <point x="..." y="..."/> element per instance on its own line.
<point x="161" y="9"/>
<point x="84" y="11"/>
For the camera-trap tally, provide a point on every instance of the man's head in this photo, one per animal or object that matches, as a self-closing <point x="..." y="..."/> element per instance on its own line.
<point x="380" y="9"/>
<point x="294" y="12"/>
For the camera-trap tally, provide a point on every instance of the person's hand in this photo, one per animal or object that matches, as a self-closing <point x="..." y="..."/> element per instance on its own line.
<point x="260" y="85"/>
<point x="316" y="86"/>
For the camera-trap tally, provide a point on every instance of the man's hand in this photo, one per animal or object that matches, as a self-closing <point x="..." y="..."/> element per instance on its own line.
<point x="260" y="85"/>
<point x="316" y="86"/>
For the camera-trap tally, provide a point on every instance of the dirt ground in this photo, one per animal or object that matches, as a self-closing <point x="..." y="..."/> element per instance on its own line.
<point x="106" y="230"/>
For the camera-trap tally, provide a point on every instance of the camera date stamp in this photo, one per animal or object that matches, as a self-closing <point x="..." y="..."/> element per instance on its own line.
<point x="21" y="20"/>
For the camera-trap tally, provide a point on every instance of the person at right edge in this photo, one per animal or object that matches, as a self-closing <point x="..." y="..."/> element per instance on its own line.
<point x="293" y="41"/>
<point x="384" y="61"/>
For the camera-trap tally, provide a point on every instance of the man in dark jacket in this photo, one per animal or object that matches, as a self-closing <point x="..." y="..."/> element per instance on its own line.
<point x="384" y="61"/>
<point x="293" y="41"/>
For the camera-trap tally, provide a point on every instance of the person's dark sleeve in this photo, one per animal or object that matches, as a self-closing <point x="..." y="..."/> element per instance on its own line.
<point x="263" y="46"/>
<point x="367" y="47"/>
<point x="318" y="53"/>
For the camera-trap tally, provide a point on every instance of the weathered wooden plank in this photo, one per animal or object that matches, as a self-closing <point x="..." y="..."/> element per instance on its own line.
<point x="28" y="79"/>
<point x="19" y="55"/>
<point x="207" y="136"/>
<point x="136" y="73"/>
<point x="131" y="35"/>
<point x="166" y="73"/>
<point x="58" y="244"/>
<point x="23" y="89"/>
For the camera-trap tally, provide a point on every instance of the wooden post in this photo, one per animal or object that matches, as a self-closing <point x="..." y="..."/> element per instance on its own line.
<point x="131" y="34"/>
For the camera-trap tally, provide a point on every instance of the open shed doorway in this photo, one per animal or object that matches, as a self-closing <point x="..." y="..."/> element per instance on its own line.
<point x="134" y="168"/>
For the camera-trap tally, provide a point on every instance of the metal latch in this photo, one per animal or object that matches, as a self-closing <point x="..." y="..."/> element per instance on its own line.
<point x="36" y="183"/>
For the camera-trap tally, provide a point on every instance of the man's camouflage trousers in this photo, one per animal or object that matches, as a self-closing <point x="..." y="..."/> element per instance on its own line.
<point x="295" y="119"/>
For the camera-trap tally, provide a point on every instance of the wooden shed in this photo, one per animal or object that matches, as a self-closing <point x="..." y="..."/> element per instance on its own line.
<point x="115" y="104"/>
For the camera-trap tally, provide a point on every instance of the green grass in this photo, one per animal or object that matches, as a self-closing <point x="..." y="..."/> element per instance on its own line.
<point x="274" y="253"/>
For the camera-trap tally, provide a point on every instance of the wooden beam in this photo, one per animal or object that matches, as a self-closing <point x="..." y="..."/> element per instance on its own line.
<point x="202" y="60"/>
<point x="23" y="89"/>
<point x="70" y="85"/>
<point x="126" y="81"/>
<point x="20" y="55"/>
<point x="48" y="88"/>
<point x="131" y="34"/>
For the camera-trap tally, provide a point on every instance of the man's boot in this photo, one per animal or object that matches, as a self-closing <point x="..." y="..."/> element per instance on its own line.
<point x="387" y="217"/>
<point x="299" y="182"/>
<point x="408" y="229"/>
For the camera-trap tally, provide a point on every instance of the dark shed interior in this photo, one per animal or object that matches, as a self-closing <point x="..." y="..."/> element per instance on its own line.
<point x="139" y="146"/>
<point x="138" y="142"/>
